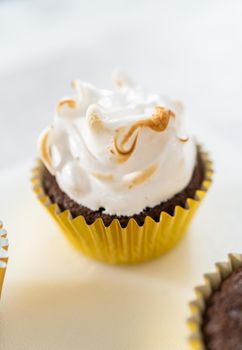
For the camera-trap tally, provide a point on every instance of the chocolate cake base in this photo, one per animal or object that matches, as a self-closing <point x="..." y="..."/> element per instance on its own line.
<point x="222" y="325"/>
<point x="56" y="195"/>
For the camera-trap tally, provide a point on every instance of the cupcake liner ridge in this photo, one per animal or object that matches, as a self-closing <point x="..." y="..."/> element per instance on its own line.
<point x="124" y="245"/>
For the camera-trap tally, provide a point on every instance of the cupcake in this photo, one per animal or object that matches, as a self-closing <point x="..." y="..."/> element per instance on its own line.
<point x="3" y="254"/>
<point x="217" y="313"/>
<point x="118" y="172"/>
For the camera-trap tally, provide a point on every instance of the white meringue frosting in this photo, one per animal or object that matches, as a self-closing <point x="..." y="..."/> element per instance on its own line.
<point x="122" y="150"/>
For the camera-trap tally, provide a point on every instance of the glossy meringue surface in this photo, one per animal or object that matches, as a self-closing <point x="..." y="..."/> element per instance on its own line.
<point x="121" y="150"/>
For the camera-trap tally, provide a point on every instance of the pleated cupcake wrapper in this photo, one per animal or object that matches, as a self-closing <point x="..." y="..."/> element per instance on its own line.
<point x="132" y="244"/>
<point x="3" y="254"/>
<point x="212" y="283"/>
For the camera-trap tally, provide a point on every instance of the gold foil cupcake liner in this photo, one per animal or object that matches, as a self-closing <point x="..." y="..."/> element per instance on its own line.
<point x="212" y="283"/>
<point x="132" y="244"/>
<point x="3" y="254"/>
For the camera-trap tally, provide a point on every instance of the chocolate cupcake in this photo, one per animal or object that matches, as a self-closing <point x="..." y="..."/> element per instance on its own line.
<point x="3" y="254"/>
<point x="120" y="166"/>
<point x="217" y="313"/>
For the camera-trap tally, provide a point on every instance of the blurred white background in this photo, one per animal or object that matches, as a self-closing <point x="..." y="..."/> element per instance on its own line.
<point x="190" y="50"/>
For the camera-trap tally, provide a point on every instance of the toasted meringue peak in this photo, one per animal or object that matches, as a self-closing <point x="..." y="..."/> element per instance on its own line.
<point x="71" y="103"/>
<point x="107" y="148"/>
<point x="121" y="78"/>
<point x="94" y="118"/>
<point x="44" y="149"/>
<point x="142" y="176"/>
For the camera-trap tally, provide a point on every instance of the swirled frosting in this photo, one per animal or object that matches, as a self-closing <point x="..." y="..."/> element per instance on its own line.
<point x="121" y="150"/>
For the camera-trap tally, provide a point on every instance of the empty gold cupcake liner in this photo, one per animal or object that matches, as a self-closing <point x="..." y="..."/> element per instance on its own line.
<point x="132" y="244"/>
<point x="3" y="254"/>
<point x="212" y="283"/>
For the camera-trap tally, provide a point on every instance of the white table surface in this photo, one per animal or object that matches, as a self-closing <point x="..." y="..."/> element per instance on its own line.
<point x="188" y="50"/>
